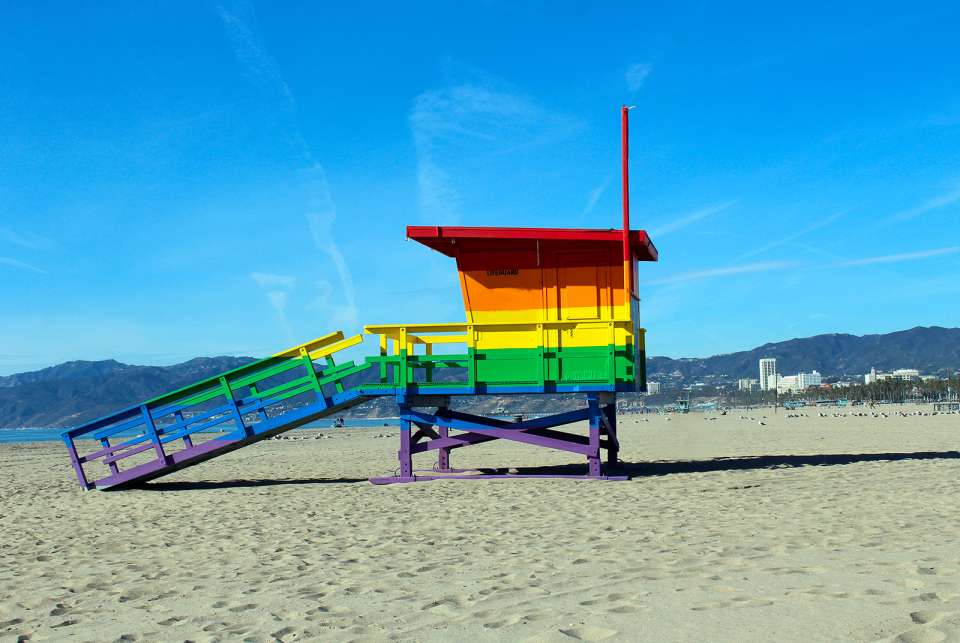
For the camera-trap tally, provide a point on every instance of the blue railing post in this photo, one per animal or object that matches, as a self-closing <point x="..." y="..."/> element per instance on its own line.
<point x="235" y="409"/>
<point x="151" y="429"/>
<point x="187" y="440"/>
<point x="105" y="442"/>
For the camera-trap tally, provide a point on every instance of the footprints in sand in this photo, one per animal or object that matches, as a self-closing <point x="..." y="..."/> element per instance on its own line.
<point x="932" y="626"/>
<point x="733" y="602"/>
<point x="588" y="633"/>
<point x="617" y="603"/>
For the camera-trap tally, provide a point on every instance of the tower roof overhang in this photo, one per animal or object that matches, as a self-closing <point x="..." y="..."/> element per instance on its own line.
<point x="449" y="240"/>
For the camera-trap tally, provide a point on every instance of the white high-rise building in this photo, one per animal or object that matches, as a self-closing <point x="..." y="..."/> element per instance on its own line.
<point x="768" y="373"/>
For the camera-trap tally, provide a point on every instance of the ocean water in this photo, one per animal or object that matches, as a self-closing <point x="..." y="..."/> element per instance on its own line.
<point x="29" y="435"/>
<point x="8" y="436"/>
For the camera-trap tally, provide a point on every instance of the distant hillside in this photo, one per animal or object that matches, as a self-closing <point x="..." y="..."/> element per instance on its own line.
<point x="74" y="392"/>
<point x="930" y="349"/>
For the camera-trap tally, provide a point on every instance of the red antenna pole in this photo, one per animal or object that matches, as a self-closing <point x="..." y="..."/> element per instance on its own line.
<point x="627" y="252"/>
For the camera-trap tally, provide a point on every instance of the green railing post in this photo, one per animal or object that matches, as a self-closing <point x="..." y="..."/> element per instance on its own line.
<point x="471" y="358"/>
<point x="402" y="346"/>
<point x="228" y="393"/>
<point x="612" y="354"/>
<point x="541" y="366"/>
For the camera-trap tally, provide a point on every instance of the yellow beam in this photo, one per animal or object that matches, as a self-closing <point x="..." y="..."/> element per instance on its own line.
<point x="395" y="329"/>
<point x="312" y="345"/>
<point x="439" y="339"/>
<point x="338" y="346"/>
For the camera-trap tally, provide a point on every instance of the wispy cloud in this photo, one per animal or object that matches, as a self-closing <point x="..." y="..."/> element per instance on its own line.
<point x="22" y="265"/>
<point x="941" y="201"/>
<point x="268" y="280"/>
<point x="770" y="266"/>
<point x="468" y="120"/>
<point x="321" y="216"/>
<point x="699" y="275"/>
<point x="594" y="197"/>
<point x="689" y="219"/>
<point x="26" y="239"/>
<point x="277" y="288"/>
<point x="822" y="223"/>
<point x="637" y="74"/>
<point x="898" y="258"/>
<point x="240" y="23"/>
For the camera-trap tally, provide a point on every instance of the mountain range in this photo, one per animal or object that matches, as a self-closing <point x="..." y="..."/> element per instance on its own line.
<point x="73" y="392"/>
<point x="930" y="349"/>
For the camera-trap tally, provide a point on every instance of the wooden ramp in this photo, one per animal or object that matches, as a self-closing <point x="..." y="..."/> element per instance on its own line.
<point x="241" y="407"/>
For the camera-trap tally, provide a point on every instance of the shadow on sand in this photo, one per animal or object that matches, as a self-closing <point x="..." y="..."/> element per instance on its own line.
<point x="632" y="469"/>
<point x="201" y="485"/>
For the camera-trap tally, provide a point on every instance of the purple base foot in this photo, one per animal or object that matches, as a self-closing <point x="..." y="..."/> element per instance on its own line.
<point x="491" y="476"/>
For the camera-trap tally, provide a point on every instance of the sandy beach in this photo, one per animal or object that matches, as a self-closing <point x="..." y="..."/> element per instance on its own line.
<point x="805" y="529"/>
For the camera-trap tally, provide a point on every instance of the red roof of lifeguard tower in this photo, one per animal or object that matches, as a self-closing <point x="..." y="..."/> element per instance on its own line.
<point x="445" y="239"/>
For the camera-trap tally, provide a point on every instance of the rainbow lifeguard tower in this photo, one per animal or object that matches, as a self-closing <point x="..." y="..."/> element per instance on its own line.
<point x="548" y="310"/>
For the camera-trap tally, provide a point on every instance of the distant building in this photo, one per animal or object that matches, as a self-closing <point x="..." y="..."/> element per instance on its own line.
<point x="786" y="383"/>
<point x="906" y="374"/>
<point x="747" y="384"/>
<point x="903" y="374"/>
<point x="768" y="373"/>
<point x="653" y="388"/>
<point x="806" y="380"/>
<point x="798" y="382"/>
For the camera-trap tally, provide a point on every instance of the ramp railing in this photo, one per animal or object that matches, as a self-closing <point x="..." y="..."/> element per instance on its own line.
<point x="240" y="405"/>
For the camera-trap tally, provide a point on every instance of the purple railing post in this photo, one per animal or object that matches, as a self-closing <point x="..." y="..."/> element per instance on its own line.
<point x="406" y="460"/>
<point x="151" y="429"/>
<point x="593" y="456"/>
<point x="75" y="461"/>
<point x="613" y="441"/>
<point x="443" y="453"/>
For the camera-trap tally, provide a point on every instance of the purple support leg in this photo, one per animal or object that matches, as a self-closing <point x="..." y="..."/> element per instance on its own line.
<point x="613" y="442"/>
<point x="443" y="453"/>
<point x="75" y="461"/>
<point x="406" y="460"/>
<point x="593" y="454"/>
<point x="475" y="429"/>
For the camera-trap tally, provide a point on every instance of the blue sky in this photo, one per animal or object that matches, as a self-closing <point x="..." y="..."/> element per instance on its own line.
<point x="182" y="179"/>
